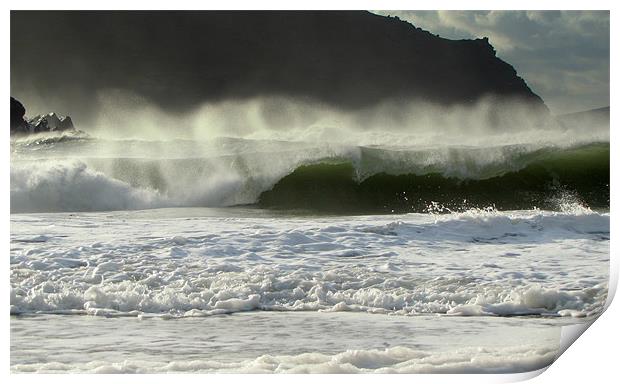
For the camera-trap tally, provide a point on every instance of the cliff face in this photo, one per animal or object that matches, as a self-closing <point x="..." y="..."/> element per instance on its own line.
<point x="179" y="59"/>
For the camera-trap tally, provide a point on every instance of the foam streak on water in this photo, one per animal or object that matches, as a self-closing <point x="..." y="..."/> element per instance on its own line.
<point x="282" y="342"/>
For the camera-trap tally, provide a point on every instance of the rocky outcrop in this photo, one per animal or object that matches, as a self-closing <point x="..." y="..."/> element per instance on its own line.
<point x="179" y="60"/>
<point x="50" y="122"/>
<point x="18" y="123"/>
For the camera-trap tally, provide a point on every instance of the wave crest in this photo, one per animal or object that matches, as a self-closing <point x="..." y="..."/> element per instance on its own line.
<point x="72" y="186"/>
<point x="334" y="179"/>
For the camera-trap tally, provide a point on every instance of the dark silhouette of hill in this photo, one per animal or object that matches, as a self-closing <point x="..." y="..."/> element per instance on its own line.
<point x="601" y="113"/>
<point x="179" y="59"/>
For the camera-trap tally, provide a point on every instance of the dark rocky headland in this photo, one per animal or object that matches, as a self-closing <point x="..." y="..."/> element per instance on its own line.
<point x="350" y="59"/>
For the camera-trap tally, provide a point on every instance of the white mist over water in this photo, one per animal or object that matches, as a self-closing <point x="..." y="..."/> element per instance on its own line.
<point x="135" y="155"/>
<point x="229" y="152"/>
<point x="488" y="121"/>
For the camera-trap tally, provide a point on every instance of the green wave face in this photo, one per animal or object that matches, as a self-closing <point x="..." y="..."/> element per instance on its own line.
<point x="544" y="179"/>
<point x="314" y="176"/>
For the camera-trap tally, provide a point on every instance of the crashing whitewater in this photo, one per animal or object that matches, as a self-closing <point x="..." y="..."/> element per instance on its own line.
<point x="303" y="175"/>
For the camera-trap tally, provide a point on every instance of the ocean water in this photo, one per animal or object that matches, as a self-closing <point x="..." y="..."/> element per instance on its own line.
<point x="235" y="255"/>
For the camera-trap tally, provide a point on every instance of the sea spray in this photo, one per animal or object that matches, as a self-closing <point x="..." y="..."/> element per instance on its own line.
<point x="332" y="178"/>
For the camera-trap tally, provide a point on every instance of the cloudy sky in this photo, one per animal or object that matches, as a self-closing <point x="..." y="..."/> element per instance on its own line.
<point x="562" y="55"/>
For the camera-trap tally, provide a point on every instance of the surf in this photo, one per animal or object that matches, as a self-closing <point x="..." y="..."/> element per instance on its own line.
<point x="55" y="176"/>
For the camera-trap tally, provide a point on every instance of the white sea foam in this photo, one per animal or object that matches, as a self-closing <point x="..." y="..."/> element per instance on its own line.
<point x="474" y="263"/>
<point x="391" y="360"/>
<point x="283" y="342"/>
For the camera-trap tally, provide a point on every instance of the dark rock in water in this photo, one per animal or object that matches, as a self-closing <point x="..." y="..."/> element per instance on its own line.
<point x="51" y="123"/>
<point x="18" y="124"/>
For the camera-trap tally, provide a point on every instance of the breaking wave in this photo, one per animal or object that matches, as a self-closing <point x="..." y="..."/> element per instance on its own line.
<point x="339" y="179"/>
